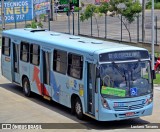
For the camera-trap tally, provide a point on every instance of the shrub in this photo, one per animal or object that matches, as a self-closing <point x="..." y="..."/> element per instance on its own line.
<point x="156" y="5"/>
<point x="34" y="24"/>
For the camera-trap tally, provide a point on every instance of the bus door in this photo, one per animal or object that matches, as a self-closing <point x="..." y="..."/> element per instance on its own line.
<point x="15" y="62"/>
<point x="45" y="68"/>
<point x="6" y="58"/>
<point x="91" y="88"/>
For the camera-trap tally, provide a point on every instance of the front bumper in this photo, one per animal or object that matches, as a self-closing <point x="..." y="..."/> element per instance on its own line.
<point x="111" y="115"/>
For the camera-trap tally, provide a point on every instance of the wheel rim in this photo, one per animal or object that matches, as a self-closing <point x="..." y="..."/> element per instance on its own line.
<point x="26" y="87"/>
<point x="78" y="108"/>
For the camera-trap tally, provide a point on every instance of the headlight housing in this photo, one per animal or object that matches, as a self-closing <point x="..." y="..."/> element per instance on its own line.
<point x="149" y="101"/>
<point x="105" y="103"/>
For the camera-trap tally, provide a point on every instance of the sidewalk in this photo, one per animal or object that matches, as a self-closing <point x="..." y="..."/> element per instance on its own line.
<point x="157" y="87"/>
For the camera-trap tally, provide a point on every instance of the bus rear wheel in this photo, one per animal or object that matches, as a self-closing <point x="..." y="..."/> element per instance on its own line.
<point x="78" y="109"/>
<point x="26" y="87"/>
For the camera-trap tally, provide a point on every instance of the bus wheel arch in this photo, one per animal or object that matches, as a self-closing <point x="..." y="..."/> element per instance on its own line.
<point x="26" y="86"/>
<point x="76" y="106"/>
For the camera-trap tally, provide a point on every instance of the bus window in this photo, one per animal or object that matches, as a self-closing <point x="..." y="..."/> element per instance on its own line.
<point x="75" y="66"/>
<point x="34" y="54"/>
<point x="24" y="52"/>
<point x="60" y="61"/>
<point x="6" y="46"/>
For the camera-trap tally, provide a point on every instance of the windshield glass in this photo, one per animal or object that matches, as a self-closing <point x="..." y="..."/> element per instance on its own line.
<point x="130" y="79"/>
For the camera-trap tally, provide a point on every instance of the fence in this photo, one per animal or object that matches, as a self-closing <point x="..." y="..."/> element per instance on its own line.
<point x="113" y="28"/>
<point x="105" y="27"/>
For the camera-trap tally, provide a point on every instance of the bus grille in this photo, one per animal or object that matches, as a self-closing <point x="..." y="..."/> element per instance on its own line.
<point x="125" y="106"/>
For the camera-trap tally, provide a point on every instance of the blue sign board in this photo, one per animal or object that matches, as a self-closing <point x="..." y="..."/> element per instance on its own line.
<point x="17" y="10"/>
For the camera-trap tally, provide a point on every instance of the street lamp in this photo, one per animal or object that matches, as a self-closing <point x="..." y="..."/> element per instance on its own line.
<point x="152" y="15"/>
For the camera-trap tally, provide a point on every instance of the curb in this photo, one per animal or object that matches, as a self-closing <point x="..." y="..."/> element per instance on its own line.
<point x="156" y="85"/>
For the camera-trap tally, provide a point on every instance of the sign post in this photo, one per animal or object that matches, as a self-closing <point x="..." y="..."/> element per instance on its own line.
<point x="2" y="14"/>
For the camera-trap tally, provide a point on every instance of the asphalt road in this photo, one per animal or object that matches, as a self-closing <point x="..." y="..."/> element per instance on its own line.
<point x="16" y="108"/>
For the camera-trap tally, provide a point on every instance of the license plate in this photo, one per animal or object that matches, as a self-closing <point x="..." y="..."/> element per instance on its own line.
<point x="130" y="114"/>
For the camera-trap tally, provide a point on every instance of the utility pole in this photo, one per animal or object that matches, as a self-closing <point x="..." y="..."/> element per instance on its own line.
<point x="2" y="14"/>
<point x="143" y="19"/>
<point x="69" y="16"/>
<point x="51" y="9"/>
<point x="152" y="15"/>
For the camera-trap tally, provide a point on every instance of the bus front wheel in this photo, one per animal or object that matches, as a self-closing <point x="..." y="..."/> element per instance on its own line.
<point x="78" y="109"/>
<point x="26" y="87"/>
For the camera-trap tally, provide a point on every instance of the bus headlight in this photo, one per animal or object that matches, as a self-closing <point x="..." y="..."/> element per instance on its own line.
<point x="105" y="103"/>
<point x="150" y="100"/>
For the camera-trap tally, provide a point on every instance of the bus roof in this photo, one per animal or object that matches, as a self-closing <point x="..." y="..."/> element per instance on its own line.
<point x="67" y="41"/>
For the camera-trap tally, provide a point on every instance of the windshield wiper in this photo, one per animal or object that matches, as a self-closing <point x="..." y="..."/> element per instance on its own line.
<point x="121" y="71"/>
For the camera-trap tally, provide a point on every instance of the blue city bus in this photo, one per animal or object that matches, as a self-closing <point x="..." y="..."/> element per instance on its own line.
<point x="103" y="80"/>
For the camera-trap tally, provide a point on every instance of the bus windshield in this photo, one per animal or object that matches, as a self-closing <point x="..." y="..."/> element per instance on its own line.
<point x="125" y="80"/>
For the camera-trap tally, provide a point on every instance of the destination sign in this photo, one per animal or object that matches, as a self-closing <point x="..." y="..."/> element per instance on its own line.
<point x="123" y="55"/>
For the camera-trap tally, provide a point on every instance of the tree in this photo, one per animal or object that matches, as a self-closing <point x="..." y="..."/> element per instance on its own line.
<point x="103" y="8"/>
<point x="91" y="11"/>
<point x="128" y="9"/>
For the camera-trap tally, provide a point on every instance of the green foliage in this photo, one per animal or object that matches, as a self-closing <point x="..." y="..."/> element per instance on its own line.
<point x="149" y="5"/>
<point x="130" y="10"/>
<point x="156" y="5"/>
<point x="89" y="12"/>
<point x="34" y="24"/>
<point x="42" y="16"/>
<point x="39" y="24"/>
<point x="76" y="9"/>
<point x="103" y="8"/>
<point x="82" y="4"/>
<point x="157" y="80"/>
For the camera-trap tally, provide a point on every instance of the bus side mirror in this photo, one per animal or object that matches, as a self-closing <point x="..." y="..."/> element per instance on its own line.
<point x="153" y="74"/>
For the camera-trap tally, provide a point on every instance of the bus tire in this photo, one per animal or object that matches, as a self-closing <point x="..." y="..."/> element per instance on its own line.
<point x="78" y="109"/>
<point x="26" y="87"/>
